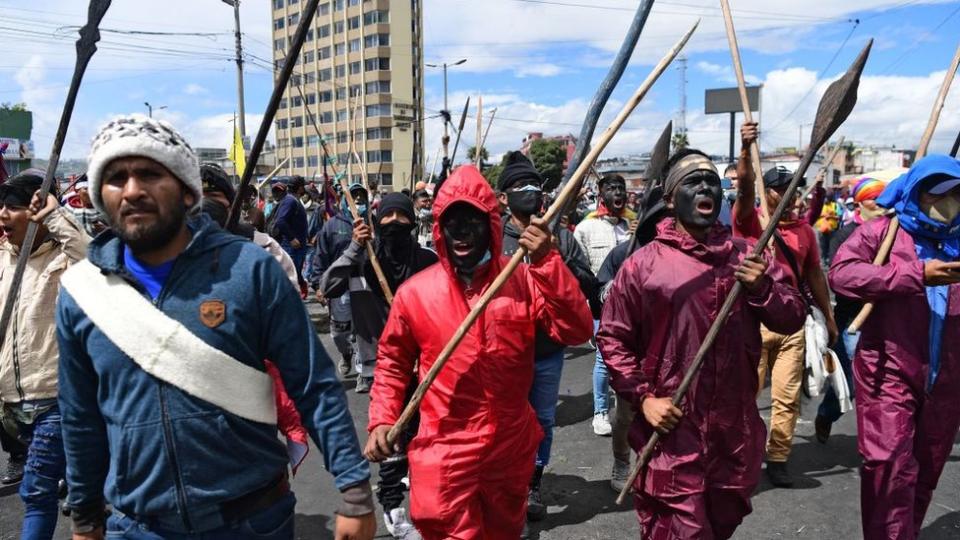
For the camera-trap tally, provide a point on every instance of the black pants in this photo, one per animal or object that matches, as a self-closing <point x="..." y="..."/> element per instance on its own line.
<point x="11" y="445"/>
<point x="390" y="488"/>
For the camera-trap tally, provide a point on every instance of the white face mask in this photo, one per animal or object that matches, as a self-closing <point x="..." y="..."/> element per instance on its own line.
<point x="944" y="210"/>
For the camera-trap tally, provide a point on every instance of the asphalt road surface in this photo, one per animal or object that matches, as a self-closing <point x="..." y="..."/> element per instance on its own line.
<point x="823" y="505"/>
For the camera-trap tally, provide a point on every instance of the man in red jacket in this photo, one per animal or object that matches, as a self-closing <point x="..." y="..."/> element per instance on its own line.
<point x="657" y="312"/>
<point x="471" y="461"/>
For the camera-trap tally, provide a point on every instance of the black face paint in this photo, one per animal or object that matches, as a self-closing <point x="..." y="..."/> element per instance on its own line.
<point x="525" y="202"/>
<point x="466" y="234"/>
<point x="614" y="196"/>
<point x="697" y="200"/>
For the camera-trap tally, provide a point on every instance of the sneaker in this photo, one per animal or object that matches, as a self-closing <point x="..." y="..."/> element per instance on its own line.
<point x="525" y="533"/>
<point x="344" y="366"/>
<point x="364" y="384"/>
<point x="601" y="424"/>
<point x="620" y="475"/>
<point x="399" y="526"/>
<point x="536" y="510"/>
<point x="822" y="427"/>
<point x="14" y="471"/>
<point x="779" y="475"/>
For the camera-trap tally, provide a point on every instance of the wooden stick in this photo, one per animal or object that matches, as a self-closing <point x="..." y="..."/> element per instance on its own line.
<point x="483" y="141"/>
<point x="886" y="246"/>
<point x="569" y="190"/>
<point x="371" y="254"/>
<point x="86" y="47"/>
<point x="273" y="173"/>
<point x="821" y="176"/>
<point x="835" y="106"/>
<point x="476" y="158"/>
<point x="747" y="113"/>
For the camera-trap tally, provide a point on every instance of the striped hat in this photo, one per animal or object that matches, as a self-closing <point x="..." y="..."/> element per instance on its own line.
<point x="867" y="189"/>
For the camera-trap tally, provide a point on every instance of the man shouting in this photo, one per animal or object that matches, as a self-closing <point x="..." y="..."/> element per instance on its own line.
<point x="473" y="457"/>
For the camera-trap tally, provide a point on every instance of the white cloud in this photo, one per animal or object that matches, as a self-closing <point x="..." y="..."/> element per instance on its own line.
<point x="194" y="89"/>
<point x="539" y="70"/>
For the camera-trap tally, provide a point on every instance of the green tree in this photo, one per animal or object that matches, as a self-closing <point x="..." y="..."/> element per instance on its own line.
<point x="16" y="107"/>
<point x="492" y="174"/>
<point x="472" y="154"/>
<point x="548" y="157"/>
<point x="680" y="141"/>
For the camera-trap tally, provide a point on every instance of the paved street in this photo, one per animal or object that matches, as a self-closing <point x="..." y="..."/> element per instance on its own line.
<point x="824" y="505"/>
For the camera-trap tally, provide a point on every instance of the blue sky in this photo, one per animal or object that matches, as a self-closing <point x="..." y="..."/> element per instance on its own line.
<point x="538" y="62"/>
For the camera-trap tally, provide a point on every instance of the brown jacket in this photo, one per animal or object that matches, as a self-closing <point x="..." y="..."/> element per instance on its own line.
<point x="29" y="356"/>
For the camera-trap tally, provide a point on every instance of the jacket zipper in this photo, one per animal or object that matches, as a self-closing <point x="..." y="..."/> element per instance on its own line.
<point x="15" y="351"/>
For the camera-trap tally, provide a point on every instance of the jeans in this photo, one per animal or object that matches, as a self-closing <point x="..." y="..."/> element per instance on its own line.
<point x="273" y="523"/>
<point x="44" y="469"/>
<point x="846" y="348"/>
<point x="543" y="398"/>
<point x="601" y="380"/>
<point x="299" y="256"/>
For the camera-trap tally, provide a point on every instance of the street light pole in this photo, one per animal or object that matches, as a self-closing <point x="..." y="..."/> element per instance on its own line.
<point x="239" y="60"/>
<point x="446" y="109"/>
<point x="151" y="107"/>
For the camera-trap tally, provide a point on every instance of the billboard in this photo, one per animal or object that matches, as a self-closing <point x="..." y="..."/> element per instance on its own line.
<point x="727" y="100"/>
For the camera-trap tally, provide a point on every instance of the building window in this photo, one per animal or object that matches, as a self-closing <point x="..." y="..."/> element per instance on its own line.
<point x="283" y="143"/>
<point x="308" y="57"/>
<point x="324" y="9"/>
<point x="385" y="179"/>
<point x="297" y="101"/>
<point x="342" y="115"/>
<point x="354" y="2"/>
<point x="355" y="90"/>
<point x="375" y="134"/>
<point x="324" y="31"/>
<point x="278" y="24"/>
<point x="375" y="64"/>
<point x="324" y="75"/>
<point x="298" y="162"/>
<point x="313" y="140"/>
<point x="309" y="35"/>
<point x="343" y="137"/>
<point x="326" y="117"/>
<point x="379" y="156"/>
<point x="309" y="77"/>
<point x="341" y="93"/>
<point x="338" y="5"/>
<point x="341" y="71"/>
<point x="338" y="49"/>
<point x="292" y="2"/>
<point x="313" y="161"/>
<point x="326" y="96"/>
<point x="311" y="98"/>
<point x="282" y="123"/>
<point x="283" y="103"/>
<point x="376" y="17"/>
<point x="354" y="67"/>
<point x="293" y="19"/>
<point x="298" y="142"/>
<point x="277" y="4"/>
<point x="295" y="79"/>
<point x="296" y="121"/>
<point x="380" y="109"/>
<point x="278" y="44"/>
<point x="378" y="87"/>
<point x="353" y="22"/>
<point x="323" y="53"/>
<point x="338" y="27"/>
<point x="376" y="40"/>
<point x="354" y="45"/>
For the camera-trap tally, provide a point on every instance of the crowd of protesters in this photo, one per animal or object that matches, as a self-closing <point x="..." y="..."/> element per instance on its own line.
<point x="181" y="407"/>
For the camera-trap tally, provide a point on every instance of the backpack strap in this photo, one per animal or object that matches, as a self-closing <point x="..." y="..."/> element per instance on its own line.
<point x="166" y="349"/>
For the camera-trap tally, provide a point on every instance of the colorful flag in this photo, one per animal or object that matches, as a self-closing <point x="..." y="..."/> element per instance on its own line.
<point x="237" y="154"/>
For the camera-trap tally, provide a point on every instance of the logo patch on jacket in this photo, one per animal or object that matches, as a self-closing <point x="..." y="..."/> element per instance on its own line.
<point x="213" y="313"/>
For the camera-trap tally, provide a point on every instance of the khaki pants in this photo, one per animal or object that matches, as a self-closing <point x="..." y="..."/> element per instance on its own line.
<point x="623" y="417"/>
<point x="783" y="357"/>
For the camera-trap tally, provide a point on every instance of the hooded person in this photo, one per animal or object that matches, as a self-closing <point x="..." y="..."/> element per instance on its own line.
<point x="598" y="234"/>
<point x="29" y="354"/>
<point x="907" y="366"/>
<point x="400" y="257"/>
<point x="473" y="456"/>
<point x="334" y="238"/>
<point x="656" y="314"/>
<point x="169" y="415"/>
<point x="865" y="193"/>
<point x="521" y="188"/>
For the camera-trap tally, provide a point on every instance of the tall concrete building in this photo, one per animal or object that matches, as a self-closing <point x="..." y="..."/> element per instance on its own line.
<point x="360" y="71"/>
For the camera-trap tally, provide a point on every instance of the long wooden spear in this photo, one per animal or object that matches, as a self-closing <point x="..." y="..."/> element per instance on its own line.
<point x="604" y="91"/>
<point x="371" y="254"/>
<point x="86" y="47"/>
<point x="835" y="106"/>
<point x="747" y="113"/>
<point x="886" y="246"/>
<point x="483" y="140"/>
<point x="463" y="122"/>
<point x="273" y="173"/>
<point x="658" y="159"/>
<point x="569" y="190"/>
<point x="280" y="86"/>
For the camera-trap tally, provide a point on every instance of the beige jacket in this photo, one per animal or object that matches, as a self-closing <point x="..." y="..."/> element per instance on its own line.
<point x="29" y="357"/>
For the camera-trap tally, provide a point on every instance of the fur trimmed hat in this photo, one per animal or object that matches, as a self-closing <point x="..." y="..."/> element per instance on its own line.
<point x="138" y="135"/>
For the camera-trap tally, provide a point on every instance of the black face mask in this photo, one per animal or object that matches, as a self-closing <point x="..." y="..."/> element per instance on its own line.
<point x="614" y="195"/>
<point x="697" y="200"/>
<point x="525" y="203"/>
<point x="396" y="233"/>
<point x="465" y="226"/>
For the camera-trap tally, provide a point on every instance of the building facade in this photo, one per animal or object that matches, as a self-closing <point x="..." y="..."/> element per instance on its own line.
<point x="16" y="127"/>
<point x="360" y="72"/>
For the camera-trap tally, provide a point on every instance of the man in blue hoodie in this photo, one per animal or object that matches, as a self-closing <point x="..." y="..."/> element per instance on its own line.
<point x="168" y="413"/>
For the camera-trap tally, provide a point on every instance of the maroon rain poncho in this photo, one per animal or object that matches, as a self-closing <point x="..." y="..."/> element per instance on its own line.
<point x="657" y="313"/>
<point x="906" y="431"/>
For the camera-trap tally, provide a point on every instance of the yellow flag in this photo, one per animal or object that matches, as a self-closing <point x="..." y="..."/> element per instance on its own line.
<point x="237" y="154"/>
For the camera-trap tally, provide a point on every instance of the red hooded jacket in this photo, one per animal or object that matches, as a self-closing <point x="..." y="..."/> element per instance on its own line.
<point x="478" y="402"/>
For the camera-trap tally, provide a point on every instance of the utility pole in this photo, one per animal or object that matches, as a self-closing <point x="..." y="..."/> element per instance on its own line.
<point x="236" y="19"/>
<point x="682" y="123"/>
<point x="151" y="107"/>
<point x="446" y="110"/>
